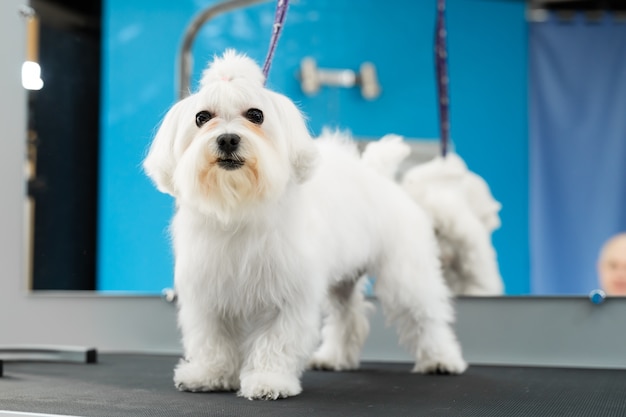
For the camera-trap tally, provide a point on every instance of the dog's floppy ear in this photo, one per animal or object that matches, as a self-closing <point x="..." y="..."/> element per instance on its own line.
<point x="160" y="162"/>
<point x="303" y="153"/>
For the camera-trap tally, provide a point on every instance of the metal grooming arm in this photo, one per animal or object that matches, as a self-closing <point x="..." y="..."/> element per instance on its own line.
<point x="185" y="58"/>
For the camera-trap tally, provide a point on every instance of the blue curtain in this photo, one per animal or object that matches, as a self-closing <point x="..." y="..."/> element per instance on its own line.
<point x="577" y="148"/>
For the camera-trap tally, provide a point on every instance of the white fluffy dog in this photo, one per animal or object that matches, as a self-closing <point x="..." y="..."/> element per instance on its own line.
<point x="270" y="224"/>
<point x="462" y="208"/>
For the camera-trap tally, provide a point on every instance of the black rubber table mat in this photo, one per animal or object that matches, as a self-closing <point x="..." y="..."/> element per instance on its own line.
<point x="141" y="385"/>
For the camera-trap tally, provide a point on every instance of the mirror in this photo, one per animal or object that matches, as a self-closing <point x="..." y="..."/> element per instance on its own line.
<point x="109" y="71"/>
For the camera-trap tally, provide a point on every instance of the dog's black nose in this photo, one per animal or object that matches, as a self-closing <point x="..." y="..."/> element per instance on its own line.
<point x="228" y="142"/>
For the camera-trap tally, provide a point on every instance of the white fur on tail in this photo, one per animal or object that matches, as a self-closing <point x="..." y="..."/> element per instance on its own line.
<point x="386" y="155"/>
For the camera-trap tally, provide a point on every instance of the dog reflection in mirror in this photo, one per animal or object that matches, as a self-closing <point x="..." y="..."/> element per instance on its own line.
<point x="272" y="226"/>
<point x="463" y="211"/>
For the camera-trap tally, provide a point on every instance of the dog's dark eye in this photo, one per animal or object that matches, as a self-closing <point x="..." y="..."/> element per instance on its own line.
<point x="255" y="116"/>
<point x="203" y="117"/>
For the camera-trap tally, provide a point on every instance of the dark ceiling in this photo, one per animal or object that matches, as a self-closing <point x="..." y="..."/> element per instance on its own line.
<point x="93" y="8"/>
<point x="613" y="5"/>
<point x="87" y="14"/>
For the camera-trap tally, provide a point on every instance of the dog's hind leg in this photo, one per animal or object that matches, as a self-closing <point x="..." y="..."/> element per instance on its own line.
<point x="478" y="262"/>
<point x="415" y="298"/>
<point x="345" y="327"/>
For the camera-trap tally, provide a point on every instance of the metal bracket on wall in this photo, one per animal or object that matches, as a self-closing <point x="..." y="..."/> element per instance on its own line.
<point x="312" y="78"/>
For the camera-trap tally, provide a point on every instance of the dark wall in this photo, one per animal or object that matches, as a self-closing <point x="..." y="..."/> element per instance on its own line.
<point x="64" y="116"/>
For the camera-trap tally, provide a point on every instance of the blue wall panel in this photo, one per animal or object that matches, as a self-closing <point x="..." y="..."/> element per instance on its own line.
<point x="487" y="42"/>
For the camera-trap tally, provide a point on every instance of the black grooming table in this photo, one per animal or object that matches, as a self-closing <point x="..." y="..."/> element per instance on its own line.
<point x="141" y="385"/>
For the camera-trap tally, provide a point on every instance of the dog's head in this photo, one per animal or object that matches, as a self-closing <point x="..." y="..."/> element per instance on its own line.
<point x="233" y="144"/>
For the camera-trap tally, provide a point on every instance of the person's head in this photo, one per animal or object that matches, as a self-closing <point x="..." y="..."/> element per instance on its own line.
<point x="612" y="265"/>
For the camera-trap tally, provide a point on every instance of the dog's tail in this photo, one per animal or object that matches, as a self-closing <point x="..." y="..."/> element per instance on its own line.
<point x="386" y="155"/>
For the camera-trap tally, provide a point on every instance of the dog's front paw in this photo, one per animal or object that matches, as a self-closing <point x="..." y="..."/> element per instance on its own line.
<point x="443" y="363"/>
<point x="269" y="386"/>
<point x="195" y="377"/>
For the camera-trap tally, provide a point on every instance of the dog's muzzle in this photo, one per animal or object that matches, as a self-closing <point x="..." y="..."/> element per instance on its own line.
<point x="228" y="144"/>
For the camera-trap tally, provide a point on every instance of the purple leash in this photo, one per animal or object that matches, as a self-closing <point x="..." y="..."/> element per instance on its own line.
<point x="441" y="63"/>
<point x="279" y="19"/>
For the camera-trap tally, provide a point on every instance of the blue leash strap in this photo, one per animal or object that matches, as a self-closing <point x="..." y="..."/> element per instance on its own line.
<point x="441" y="64"/>
<point x="279" y="19"/>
